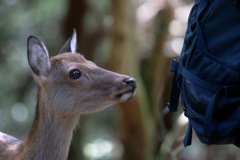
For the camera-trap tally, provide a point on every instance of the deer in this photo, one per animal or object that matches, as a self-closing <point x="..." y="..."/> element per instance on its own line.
<point x="68" y="86"/>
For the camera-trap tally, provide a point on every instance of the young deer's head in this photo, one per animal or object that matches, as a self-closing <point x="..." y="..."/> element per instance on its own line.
<point x="72" y="85"/>
<point x="69" y="85"/>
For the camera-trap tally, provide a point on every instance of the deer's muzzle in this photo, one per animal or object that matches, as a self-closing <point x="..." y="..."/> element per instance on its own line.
<point x="129" y="93"/>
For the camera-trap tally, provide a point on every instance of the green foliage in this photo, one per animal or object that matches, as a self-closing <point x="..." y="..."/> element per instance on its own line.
<point x="19" y="19"/>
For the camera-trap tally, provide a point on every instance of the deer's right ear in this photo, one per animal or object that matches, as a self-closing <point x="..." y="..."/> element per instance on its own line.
<point x="38" y="57"/>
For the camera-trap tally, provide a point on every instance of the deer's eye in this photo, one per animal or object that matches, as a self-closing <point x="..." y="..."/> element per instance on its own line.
<point x="75" y="74"/>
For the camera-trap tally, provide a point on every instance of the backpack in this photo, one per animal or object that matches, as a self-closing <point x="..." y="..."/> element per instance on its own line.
<point x="207" y="75"/>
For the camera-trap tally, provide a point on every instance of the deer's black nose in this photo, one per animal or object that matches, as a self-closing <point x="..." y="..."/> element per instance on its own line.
<point x="131" y="82"/>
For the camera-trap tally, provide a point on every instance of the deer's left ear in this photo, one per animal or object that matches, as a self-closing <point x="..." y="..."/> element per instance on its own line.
<point x="70" y="45"/>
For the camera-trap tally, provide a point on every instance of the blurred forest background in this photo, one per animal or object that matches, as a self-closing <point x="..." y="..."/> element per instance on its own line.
<point x="134" y="37"/>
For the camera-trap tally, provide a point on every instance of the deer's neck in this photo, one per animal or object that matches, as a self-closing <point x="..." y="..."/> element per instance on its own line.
<point x="50" y="136"/>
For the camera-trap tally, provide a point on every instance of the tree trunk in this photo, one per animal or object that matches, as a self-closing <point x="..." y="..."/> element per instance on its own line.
<point x="123" y="59"/>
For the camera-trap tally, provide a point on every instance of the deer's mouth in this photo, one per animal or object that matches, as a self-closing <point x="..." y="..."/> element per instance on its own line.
<point x="122" y="97"/>
<point x="129" y="91"/>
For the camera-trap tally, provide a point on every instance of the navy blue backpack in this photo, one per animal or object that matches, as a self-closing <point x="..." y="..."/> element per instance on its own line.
<point x="207" y="75"/>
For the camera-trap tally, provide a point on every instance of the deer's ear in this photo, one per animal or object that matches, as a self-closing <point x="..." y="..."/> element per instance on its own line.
<point x="70" y="45"/>
<point x="38" y="57"/>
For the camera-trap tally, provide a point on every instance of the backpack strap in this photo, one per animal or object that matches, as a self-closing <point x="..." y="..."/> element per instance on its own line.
<point x="200" y="10"/>
<point x="175" y="92"/>
<point x="207" y="129"/>
<point x="174" y="99"/>
<point x="187" y="141"/>
<point x="198" y="81"/>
